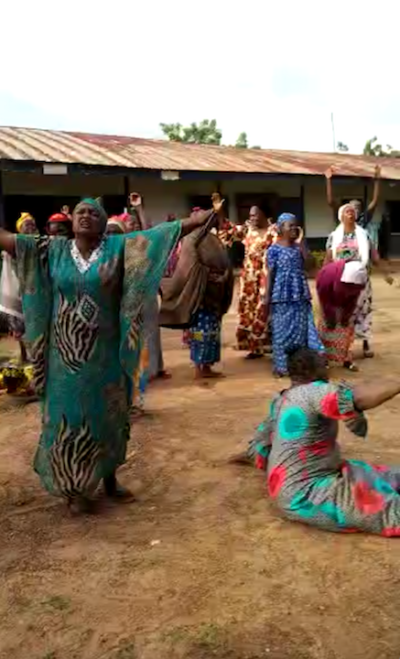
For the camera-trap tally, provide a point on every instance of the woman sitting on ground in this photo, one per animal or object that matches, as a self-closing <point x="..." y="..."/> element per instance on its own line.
<point x="297" y="446"/>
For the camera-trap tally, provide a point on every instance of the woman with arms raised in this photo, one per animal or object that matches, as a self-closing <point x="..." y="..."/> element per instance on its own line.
<point x="83" y="301"/>
<point x="350" y="242"/>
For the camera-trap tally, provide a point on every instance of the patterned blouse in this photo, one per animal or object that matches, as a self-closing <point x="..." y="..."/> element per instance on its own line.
<point x="286" y="269"/>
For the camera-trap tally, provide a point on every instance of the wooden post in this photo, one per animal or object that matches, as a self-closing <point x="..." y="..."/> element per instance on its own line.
<point x="126" y="191"/>
<point x="301" y="218"/>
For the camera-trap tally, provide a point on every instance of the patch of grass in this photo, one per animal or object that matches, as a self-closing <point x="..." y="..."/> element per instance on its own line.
<point x="126" y="652"/>
<point x="208" y="635"/>
<point x="177" y="634"/>
<point x="57" y="602"/>
<point x="49" y="655"/>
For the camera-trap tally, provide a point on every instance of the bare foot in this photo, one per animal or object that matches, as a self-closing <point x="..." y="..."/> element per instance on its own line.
<point x="206" y="373"/>
<point x="117" y="492"/>
<point x="82" y="506"/>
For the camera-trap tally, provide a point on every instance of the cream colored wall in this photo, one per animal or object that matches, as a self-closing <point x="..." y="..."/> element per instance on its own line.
<point x="163" y="197"/>
<point x="71" y="185"/>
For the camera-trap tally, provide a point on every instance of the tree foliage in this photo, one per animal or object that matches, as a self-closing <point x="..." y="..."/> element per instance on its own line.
<point x="342" y="147"/>
<point x="241" y="142"/>
<point x="374" y="148"/>
<point x="205" y="132"/>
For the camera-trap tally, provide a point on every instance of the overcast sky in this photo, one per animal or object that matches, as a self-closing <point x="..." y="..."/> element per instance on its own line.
<point x="273" y="69"/>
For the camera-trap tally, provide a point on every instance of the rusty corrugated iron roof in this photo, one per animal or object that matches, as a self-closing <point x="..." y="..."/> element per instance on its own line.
<point x="52" y="146"/>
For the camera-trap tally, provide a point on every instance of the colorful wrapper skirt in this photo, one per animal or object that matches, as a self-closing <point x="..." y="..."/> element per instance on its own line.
<point x="205" y="338"/>
<point x="337" y="342"/>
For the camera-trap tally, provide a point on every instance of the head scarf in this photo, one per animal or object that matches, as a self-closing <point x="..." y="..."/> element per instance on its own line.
<point x="116" y="220"/>
<point x="286" y="217"/>
<point x="361" y="237"/>
<point x="23" y="218"/>
<point x="354" y="272"/>
<point x="59" y="217"/>
<point x="342" y="211"/>
<point x="89" y="201"/>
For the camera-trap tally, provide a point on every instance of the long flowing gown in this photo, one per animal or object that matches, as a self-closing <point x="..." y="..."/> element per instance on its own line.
<point x="307" y="476"/>
<point x="84" y="330"/>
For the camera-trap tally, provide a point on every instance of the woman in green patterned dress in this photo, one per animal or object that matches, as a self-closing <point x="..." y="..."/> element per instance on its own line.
<point x="82" y="302"/>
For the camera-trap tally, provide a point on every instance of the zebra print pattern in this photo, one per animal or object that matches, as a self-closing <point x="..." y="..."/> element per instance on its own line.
<point x="74" y="457"/>
<point x="43" y="243"/>
<point x="75" y="334"/>
<point x="135" y="330"/>
<point x="37" y="354"/>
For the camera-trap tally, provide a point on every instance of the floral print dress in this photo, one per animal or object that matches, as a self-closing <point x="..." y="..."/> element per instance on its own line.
<point x="252" y="330"/>
<point x="307" y="476"/>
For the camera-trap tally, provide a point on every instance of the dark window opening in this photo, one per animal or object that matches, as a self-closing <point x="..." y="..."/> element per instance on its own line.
<point x="42" y="207"/>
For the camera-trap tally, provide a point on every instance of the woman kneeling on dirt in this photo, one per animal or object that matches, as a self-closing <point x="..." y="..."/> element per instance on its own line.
<point x="82" y="302"/>
<point x="297" y="446"/>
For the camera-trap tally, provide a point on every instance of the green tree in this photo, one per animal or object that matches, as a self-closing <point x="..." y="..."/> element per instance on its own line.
<point x="373" y="148"/>
<point x="241" y="142"/>
<point x="205" y="132"/>
<point x="342" y="147"/>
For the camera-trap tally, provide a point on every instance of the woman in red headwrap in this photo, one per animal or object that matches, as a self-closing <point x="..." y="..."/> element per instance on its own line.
<point x="59" y="224"/>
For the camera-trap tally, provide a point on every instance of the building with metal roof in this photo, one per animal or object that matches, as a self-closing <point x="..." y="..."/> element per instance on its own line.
<point x="40" y="170"/>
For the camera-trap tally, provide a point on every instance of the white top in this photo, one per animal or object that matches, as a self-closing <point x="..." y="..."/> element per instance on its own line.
<point x="81" y="263"/>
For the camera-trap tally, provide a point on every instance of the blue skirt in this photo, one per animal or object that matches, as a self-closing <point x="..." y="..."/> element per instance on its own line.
<point x="205" y="338"/>
<point x="292" y="327"/>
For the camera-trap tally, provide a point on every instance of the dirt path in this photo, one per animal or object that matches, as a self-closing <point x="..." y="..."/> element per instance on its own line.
<point x="202" y="566"/>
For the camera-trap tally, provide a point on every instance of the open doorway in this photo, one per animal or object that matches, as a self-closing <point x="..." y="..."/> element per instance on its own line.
<point x="390" y="230"/>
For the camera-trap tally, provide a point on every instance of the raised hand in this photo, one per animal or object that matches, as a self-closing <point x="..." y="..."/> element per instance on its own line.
<point x="135" y="199"/>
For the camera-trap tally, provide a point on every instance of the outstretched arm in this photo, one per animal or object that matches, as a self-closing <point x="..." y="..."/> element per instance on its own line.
<point x="377" y="184"/>
<point x="329" y="193"/>
<point x="195" y="221"/>
<point x="368" y="396"/>
<point x="7" y="242"/>
<point x="135" y="203"/>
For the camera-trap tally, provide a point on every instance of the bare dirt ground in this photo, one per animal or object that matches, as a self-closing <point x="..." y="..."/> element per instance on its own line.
<point x="202" y="565"/>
